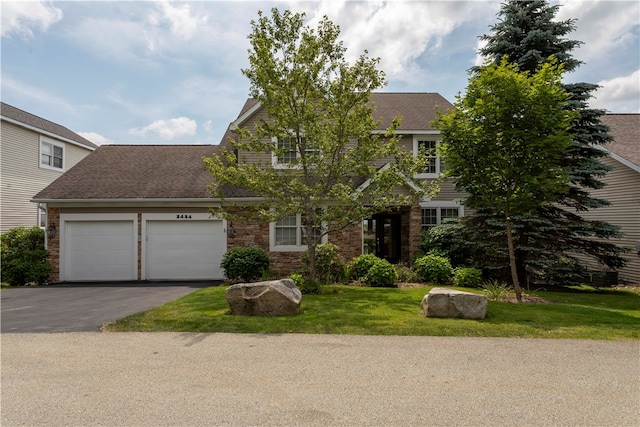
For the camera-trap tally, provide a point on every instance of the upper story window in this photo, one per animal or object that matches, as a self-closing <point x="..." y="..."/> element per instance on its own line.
<point x="287" y="151"/>
<point x="51" y="154"/>
<point x="426" y="145"/>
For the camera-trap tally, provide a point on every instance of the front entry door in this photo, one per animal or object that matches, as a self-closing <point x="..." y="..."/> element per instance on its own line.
<point x="388" y="237"/>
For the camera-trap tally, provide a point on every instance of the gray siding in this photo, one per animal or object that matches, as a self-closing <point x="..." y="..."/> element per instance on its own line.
<point x="21" y="175"/>
<point x="623" y="192"/>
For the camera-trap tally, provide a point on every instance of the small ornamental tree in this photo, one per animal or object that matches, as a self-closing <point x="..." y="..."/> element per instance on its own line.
<point x="504" y="141"/>
<point x="320" y="124"/>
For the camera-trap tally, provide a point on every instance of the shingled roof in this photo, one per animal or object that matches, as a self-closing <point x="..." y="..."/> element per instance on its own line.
<point x="20" y="117"/>
<point x="135" y="172"/>
<point x="625" y="129"/>
<point x="417" y="109"/>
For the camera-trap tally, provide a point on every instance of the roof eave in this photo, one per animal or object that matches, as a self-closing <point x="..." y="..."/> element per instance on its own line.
<point x="47" y="133"/>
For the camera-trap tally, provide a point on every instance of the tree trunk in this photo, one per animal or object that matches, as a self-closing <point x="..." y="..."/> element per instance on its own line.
<point x="311" y="246"/>
<point x="512" y="261"/>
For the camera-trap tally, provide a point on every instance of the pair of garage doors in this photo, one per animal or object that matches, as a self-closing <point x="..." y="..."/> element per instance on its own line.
<point x="170" y="247"/>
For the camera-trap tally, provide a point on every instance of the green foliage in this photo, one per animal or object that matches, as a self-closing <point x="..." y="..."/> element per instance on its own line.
<point x="318" y="103"/>
<point x="329" y="265"/>
<point x="24" y="258"/>
<point x="406" y="274"/>
<point x="434" y="268"/>
<point x="467" y="276"/>
<point x="245" y="263"/>
<point x="528" y="33"/>
<point x="306" y="286"/>
<point x="496" y="290"/>
<point x="361" y="265"/>
<point x="381" y="273"/>
<point x="447" y="240"/>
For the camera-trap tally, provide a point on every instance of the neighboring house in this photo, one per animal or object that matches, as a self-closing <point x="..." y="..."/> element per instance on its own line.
<point x="34" y="152"/>
<point x="143" y="212"/>
<point x="622" y="190"/>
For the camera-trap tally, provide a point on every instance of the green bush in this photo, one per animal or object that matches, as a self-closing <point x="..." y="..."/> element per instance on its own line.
<point x="381" y="273"/>
<point x="406" y="274"/>
<point x="305" y="286"/>
<point x="245" y="263"/>
<point x="434" y="268"/>
<point x="24" y="258"/>
<point x="467" y="276"/>
<point x="361" y="265"/>
<point x="329" y="266"/>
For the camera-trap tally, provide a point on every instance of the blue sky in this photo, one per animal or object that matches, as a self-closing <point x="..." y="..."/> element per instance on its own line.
<point x="161" y="72"/>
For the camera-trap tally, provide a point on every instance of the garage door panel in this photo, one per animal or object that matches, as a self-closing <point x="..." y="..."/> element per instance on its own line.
<point x="184" y="249"/>
<point x="100" y="250"/>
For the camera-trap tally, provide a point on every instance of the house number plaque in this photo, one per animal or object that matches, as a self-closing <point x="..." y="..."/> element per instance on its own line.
<point x="183" y="216"/>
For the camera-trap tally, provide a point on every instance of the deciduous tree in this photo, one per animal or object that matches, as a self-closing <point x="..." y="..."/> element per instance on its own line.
<point x="320" y="126"/>
<point x="504" y="141"/>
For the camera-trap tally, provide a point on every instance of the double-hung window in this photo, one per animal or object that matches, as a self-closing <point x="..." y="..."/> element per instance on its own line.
<point x="426" y="145"/>
<point x="287" y="151"/>
<point x="51" y="154"/>
<point x="434" y="213"/>
<point x="290" y="234"/>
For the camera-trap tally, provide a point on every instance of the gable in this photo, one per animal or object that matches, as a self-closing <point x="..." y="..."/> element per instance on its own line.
<point x="30" y="121"/>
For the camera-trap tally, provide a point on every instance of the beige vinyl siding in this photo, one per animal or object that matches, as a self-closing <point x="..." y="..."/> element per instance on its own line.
<point x="21" y="175"/>
<point x="250" y="157"/>
<point x="623" y="192"/>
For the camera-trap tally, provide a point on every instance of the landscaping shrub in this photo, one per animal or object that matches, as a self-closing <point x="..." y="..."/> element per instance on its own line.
<point x="434" y="268"/>
<point x="406" y="274"/>
<point x="447" y="240"/>
<point x="496" y="290"/>
<point x="467" y="276"/>
<point x="305" y="286"/>
<point x="361" y="265"/>
<point x="329" y="266"/>
<point x="24" y="258"/>
<point x="245" y="263"/>
<point x="381" y="273"/>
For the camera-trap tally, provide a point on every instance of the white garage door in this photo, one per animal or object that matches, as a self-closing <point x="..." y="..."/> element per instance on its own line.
<point x="190" y="249"/>
<point x="100" y="250"/>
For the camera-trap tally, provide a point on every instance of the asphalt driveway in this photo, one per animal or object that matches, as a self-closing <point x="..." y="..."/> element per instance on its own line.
<point x="84" y="307"/>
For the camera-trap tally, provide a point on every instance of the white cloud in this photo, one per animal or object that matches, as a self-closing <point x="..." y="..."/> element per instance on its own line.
<point x="168" y="129"/>
<point x="181" y="22"/>
<point x="619" y="95"/>
<point x="602" y="26"/>
<point x="96" y="138"/>
<point x="21" y="17"/>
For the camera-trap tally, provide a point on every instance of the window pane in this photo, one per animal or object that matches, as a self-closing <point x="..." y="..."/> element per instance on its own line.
<point x="446" y="213"/>
<point x="287" y="221"/>
<point x="429" y="217"/>
<point x="289" y="152"/>
<point x="428" y="149"/>
<point x="285" y="236"/>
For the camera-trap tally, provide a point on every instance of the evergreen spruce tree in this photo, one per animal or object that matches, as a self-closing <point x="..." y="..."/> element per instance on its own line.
<point x="528" y="35"/>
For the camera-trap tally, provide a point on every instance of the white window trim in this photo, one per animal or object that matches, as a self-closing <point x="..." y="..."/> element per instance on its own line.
<point x="428" y="137"/>
<point x="439" y="205"/>
<point x="53" y="143"/>
<point x="274" y="156"/>
<point x="290" y="248"/>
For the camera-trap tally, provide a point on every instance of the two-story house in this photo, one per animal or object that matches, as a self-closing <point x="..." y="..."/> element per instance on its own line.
<point x="34" y="152"/>
<point x="143" y="212"/>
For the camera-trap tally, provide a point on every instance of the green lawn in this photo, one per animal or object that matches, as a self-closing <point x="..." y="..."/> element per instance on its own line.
<point x="580" y="314"/>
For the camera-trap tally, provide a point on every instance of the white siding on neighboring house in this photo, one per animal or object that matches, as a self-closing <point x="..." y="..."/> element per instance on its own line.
<point x="21" y="174"/>
<point x="623" y="192"/>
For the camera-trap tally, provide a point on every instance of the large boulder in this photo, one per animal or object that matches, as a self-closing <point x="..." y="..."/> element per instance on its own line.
<point x="272" y="298"/>
<point x="441" y="302"/>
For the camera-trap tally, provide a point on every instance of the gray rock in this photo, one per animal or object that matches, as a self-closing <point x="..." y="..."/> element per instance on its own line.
<point x="441" y="302"/>
<point x="272" y="298"/>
